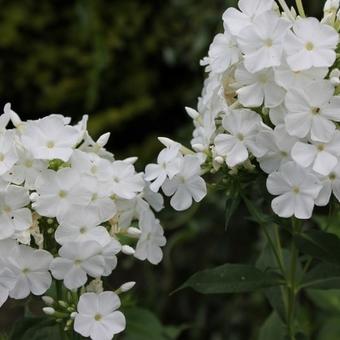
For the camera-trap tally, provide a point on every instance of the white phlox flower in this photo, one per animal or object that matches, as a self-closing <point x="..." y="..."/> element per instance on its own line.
<point x="311" y="111"/>
<point x="241" y="128"/>
<point x="297" y="189"/>
<point x="261" y="42"/>
<point x="187" y="185"/>
<point x="98" y="317"/>
<point x="151" y="240"/>
<point x="168" y="165"/>
<point x="310" y="44"/>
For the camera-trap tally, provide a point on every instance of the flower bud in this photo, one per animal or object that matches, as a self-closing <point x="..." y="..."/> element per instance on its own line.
<point x="219" y="160"/>
<point x="49" y="310"/>
<point x="34" y="196"/>
<point x="198" y="147"/>
<point x="134" y="232"/>
<point x="73" y="315"/>
<point x="127" y="250"/>
<point x="48" y="300"/>
<point x="127" y="286"/>
<point x="103" y="139"/>
<point x="192" y="113"/>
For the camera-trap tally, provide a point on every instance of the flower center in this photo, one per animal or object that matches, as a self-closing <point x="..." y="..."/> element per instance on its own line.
<point x="2" y="157"/>
<point x="321" y="147"/>
<point x="28" y="163"/>
<point x="62" y="194"/>
<point x="98" y="317"/>
<point x="7" y="209"/>
<point x="240" y="137"/>
<point x="332" y="176"/>
<point x="77" y="262"/>
<point x="94" y="197"/>
<point x="309" y="46"/>
<point x="25" y="270"/>
<point x="268" y="43"/>
<point x="50" y="144"/>
<point x="284" y="154"/>
<point x="296" y="190"/>
<point x="93" y="169"/>
<point x="315" y="110"/>
<point x="82" y="230"/>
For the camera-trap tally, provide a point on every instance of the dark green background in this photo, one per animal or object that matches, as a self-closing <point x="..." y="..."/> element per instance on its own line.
<point x="133" y="65"/>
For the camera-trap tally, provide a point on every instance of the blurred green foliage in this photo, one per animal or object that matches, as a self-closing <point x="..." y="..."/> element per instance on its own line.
<point x="133" y="65"/>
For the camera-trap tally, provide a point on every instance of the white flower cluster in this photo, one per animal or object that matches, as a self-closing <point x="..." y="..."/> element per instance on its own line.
<point x="272" y="95"/>
<point x="67" y="208"/>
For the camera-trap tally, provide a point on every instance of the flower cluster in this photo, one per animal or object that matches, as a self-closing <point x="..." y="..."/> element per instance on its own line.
<point x="270" y="99"/>
<point x="67" y="209"/>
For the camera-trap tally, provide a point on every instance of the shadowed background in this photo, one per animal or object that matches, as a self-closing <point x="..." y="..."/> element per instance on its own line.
<point x="132" y="66"/>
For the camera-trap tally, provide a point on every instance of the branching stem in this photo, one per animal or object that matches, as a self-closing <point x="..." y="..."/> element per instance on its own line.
<point x="300" y="8"/>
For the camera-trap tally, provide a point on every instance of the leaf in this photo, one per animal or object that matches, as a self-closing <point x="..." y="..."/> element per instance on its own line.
<point x="319" y="244"/>
<point x="322" y="276"/>
<point x="273" y="325"/>
<point x="33" y="328"/>
<point x="144" y="325"/>
<point x="328" y="300"/>
<point x="330" y="330"/>
<point x="231" y="278"/>
<point x="232" y="203"/>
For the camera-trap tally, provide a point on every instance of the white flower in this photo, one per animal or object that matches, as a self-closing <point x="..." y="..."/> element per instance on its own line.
<point x="98" y="317"/>
<point x="322" y="157"/>
<point x="297" y="189"/>
<point x="274" y="148"/>
<point x="288" y="79"/>
<point x="169" y="164"/>
<point x="223" y="52"/>
<point x="5" y="117"/>
<point x="261" y="42"/>
<point x="237" y="20"/>
<point x="330" y="183"/>
<point x="49" y="138"/>
<point x="26" y="170"/>
<point x="14" y="217"/>
<point x="311" y="110"/>
<point x="242" y="127"/>
<point x="311" y="44"/>
<point x="30" y="266"/>
<point x="59" y="191"/>
<point x="81" y="226"/>
<point x="187" y="185"/>
<point x="76" y="261"/>
<point x="109" y="252"/>
<point x="151" y="240"/>
<point x="8" y="154"/>
<point x="126" y="183"/>
<point x="258" y="88"/>
<point x="7" y="282"/>
<point x="98" y="147"/>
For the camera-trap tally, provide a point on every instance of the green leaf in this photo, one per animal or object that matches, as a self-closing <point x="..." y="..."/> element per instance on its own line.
<point x="328" y="300"/>
<point x="273" y="325"/>
<point x="231" y="278"/>
<point x="319" y="244"/>
<point x="232" y="203"/>
<point x="322" y="276"/>
<point x="144" y="325"/>
<point x="33" y="328"/>
<point x="330" y="330"/>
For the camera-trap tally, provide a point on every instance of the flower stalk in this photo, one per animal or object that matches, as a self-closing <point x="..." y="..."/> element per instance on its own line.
<point x="300" y="8"/>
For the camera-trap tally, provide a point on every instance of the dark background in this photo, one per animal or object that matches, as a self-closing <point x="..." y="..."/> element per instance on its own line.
<point x="133" y="65"/>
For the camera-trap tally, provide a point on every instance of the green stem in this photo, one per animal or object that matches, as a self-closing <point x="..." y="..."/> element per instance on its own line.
<point x="292" y="284"/>
<point x="286" y="9"/>
<point x="300" y="8"/>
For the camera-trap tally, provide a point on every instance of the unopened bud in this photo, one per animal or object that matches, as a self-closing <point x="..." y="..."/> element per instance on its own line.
<point x="134" y="232"/>
<point x="127" y="250"/>
<point x="63" y="304"/>
<point x="219" y="160"/>
<point x="127" y="286"/>
<point x="48" y="300"/>
<point x="103" y="139"/>
<point x="34" y="196"/>
<point x="192" y="113"/>
<point x="73" y="315"/>
<point x="198" y="147"/>
<point x="49" y="310"/>
<point x="130" y="160"/>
